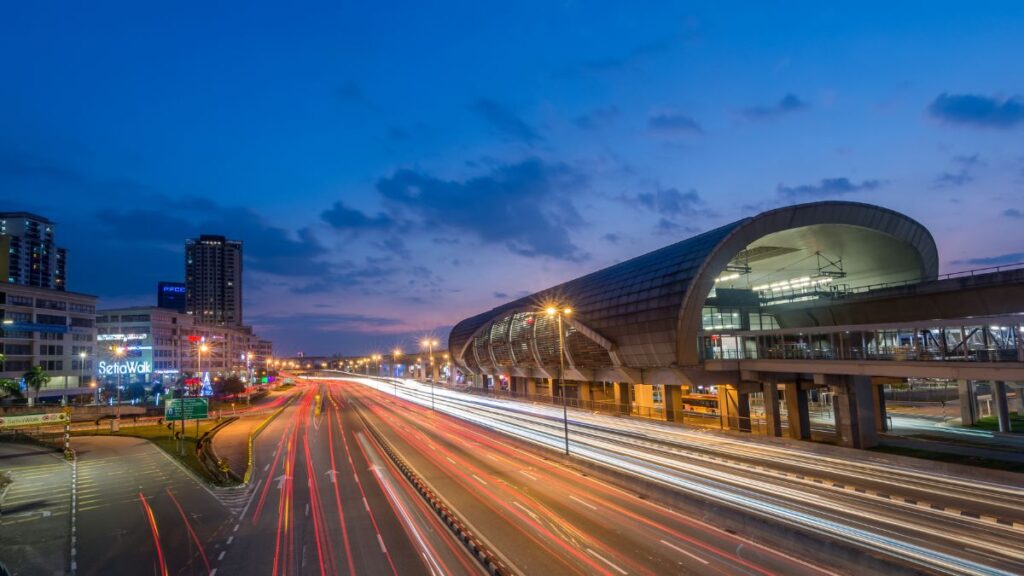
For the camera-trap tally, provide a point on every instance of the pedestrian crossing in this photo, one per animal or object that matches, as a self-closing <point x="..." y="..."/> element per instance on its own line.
<point x="235" y="498"/>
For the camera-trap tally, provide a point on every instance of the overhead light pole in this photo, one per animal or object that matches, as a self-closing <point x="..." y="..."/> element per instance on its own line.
<point x="557" y="313"/>
<point x="119" y="352"/>
<point x="81" y="372"/>
<point x="430" y="343"/>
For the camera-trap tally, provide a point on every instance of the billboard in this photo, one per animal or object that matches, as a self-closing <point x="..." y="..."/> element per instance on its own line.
<point x="171" y="295"/>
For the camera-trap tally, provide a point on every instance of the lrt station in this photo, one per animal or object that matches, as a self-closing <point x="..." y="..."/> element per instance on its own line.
<point x="776" y="324"/>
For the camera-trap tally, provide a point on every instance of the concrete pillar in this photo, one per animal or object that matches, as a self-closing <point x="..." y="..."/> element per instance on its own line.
<point x="878" y="400"/>
<point x="673" y="402"/>
<point x="770" y="391"/>
<point x="968" y="403"/>
<point x="734" y="408"/>
<point x="583" y="393"/>
<point x="1002" y="411"/>
<point x="797" y="414"/>
<point x="550" y="390"/>
<point x="622" y="398"/>
<point x="436" y="371"/>
<point x="531" y="386"/>
<point x="854" y="411"/>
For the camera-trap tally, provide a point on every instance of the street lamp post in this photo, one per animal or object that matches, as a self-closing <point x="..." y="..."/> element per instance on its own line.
<point x="81" y="372"/>
<point x="430" y="343"/>
<point x="396" y="355"/>
<point x="119" y="352"/>
<point x="553" y="311"/>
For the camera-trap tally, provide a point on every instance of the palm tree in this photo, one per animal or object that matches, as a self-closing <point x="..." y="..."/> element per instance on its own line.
<point x="36" y="378"/>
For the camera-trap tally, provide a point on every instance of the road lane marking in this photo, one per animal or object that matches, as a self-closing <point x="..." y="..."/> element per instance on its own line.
<point x="527" y="510"/>
<point x="587" y="504"/>
<point x="383" y="548"/>
<point x="527" y="474"/>
<point x="449" y="459"/>
<point x="606" y="561"/>
<point x="681" y="551"/>
<point x="230" y="539"/>
<point x="479" y="479"/>
<point x="221" y="555"/>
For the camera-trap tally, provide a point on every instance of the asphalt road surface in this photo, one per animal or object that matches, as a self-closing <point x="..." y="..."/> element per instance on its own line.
<point x="138" y="512"/>
<point x="934" y="521"/>
<point x="325" y="501"/>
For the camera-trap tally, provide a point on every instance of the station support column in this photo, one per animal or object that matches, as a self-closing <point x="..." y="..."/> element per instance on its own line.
<point x="734" y="408"/>
<point x="878" y="400"/>
<point x="855" y="412"/>
<point x="583" y="393"/>
<point x="1002" y="409"/>
<point x="531" y="386"/>
<point x="622" y="397"/>
<point x="673" y="402"/>
<point x="798" y="415"/>
<point x="772" y="412"/>
<point x="968" y="403"/>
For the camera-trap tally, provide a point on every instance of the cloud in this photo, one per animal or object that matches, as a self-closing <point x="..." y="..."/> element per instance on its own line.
<point x="954" y="179"/>
<point x="961" y="176"/>
<point x="167" y="222"/>
<point x="1013" y="213"/>
<point x="526" y="207"/>
<point x="341" y="217"/>
<point x="505" y="121"/>
<point x="789" y="104"/>
<point x="977" y="111"/>
<point x="673" y="123"/>
<point x="501" y="295"/>
<point x="672" y="203"/>
<point x="1000" y="260"/>
<point x="597" y="118"/>
<point x="611" y="237"/>
<point x="826" y="188"/>
<point x="352" y="93"/>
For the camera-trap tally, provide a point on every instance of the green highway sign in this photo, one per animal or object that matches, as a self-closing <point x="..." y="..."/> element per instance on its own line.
<point x="33" y="419"/>
<point x="193" y="409"/>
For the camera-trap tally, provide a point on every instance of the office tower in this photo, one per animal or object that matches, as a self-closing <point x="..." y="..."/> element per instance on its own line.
<point x="30" y="258"/>
<point x="213" y="280"/>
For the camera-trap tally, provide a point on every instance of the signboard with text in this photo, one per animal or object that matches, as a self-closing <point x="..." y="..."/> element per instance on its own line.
<point x="186" y="409"/>
<point x="33" y="419"/>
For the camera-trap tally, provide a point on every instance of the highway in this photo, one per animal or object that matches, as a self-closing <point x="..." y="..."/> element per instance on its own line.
<point x="930" y="521"/>
<point x="546" y="519"/>
<point x="325" y="501"/>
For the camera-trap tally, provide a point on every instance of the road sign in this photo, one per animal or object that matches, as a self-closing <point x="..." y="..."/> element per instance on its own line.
<point x="33" y="419"/>
<point x="193" y="409"/>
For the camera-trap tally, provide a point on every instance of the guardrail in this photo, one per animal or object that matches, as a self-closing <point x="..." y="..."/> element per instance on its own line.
<point x="483" y="554"/>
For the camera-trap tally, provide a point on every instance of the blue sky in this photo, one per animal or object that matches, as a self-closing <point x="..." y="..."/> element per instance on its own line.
<point x="394" y="168"/>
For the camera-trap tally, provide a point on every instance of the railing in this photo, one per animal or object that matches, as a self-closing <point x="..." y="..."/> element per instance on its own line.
<point x="855" y="353"/>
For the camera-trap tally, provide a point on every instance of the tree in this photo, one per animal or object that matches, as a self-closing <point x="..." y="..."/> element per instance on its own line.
<point x="157" y="389"/>
<point x="8" y="387"/>
<point x="228" y="386"/>
<point x="36" y="378"/>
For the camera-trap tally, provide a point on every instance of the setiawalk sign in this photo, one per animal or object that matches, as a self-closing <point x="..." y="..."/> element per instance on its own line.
<point x="131" y="367"/>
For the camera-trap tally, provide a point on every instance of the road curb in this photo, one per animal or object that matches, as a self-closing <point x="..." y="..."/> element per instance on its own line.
<point x="247" y="477"/>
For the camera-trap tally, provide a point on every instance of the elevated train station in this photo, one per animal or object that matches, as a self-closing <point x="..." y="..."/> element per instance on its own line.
<point x="829" y="300"/>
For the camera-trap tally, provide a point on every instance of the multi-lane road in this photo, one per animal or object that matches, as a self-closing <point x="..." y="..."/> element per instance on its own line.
<point x="326" y="497"/>
<point x="915" y="514"/>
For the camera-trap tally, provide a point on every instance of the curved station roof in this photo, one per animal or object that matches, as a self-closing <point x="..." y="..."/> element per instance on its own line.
<point x="647" y="314"/>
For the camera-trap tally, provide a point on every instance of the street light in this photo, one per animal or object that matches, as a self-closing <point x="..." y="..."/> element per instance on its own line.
<point x="430" y="343"/>
<point x="119" y="352"/>
<point x="557" y="312"/>
<point x="81" y="375"/>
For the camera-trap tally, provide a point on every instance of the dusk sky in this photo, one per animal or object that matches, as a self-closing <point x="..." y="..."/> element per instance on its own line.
<point x="395" y="167"/>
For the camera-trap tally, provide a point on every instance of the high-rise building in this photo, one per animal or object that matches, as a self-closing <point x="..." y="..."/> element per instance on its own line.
<point x="213" y="280"/>
<point x="31" y="258"/>
<point x="171" y="296"/>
